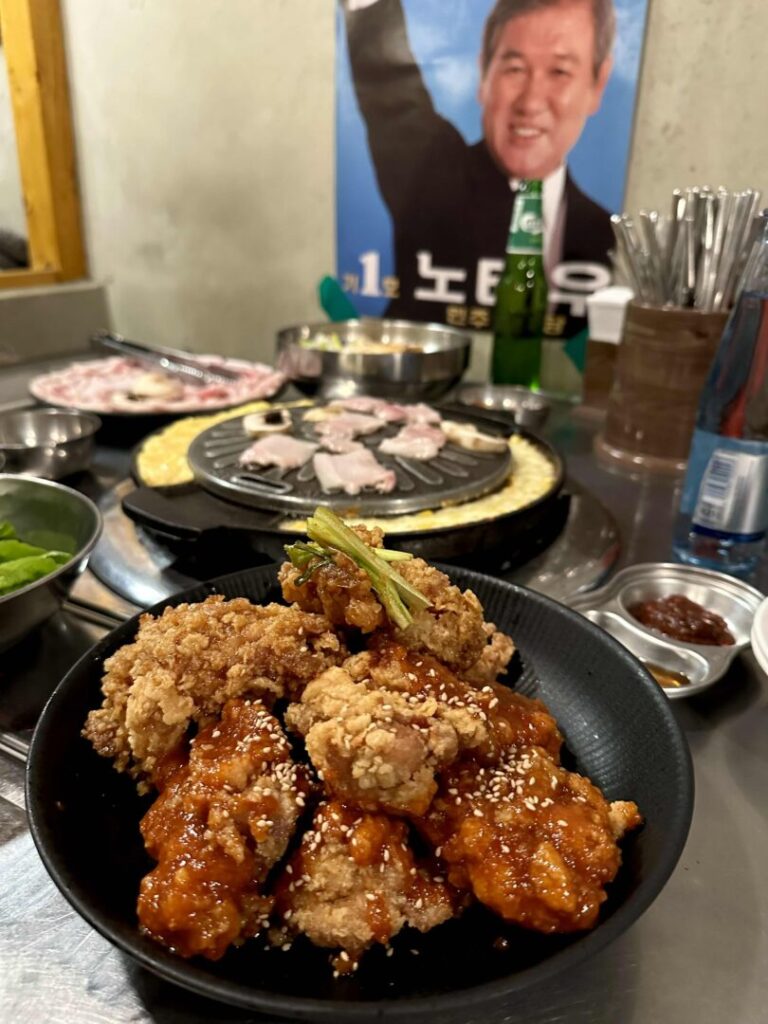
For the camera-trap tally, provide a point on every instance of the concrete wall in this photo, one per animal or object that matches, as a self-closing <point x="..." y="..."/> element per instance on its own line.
<point x="205" y="142"/>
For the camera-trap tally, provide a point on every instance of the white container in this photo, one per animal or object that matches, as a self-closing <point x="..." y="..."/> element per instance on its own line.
<point x="605" y="313"/>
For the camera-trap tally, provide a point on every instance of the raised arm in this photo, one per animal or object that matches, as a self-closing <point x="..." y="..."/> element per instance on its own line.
<point x="403" y="126"/>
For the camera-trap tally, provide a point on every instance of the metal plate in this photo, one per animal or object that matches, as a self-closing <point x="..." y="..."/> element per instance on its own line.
<point x="454" y="475"/>
<point x="702" y="664"/>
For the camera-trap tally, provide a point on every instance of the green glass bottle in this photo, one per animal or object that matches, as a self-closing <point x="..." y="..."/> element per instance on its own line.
<point x="521" y="294"/>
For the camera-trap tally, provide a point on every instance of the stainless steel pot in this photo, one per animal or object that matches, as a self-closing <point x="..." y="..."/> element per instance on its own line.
<point x="423" y="363"/>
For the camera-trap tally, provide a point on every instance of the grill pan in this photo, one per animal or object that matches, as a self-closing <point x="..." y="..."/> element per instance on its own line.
<point x="189" y="519"/>
<point x="455" y="475"/>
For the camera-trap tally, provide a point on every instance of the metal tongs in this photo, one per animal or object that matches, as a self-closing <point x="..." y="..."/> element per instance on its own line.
<point x="178" y="364"/>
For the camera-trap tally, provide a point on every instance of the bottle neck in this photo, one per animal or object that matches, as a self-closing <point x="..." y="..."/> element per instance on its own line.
<point x="526" y="230"/>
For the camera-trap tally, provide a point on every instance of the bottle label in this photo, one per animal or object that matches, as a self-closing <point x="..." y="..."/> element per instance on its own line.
<point x="526" y="229"/>
<point x="732" y="500"/>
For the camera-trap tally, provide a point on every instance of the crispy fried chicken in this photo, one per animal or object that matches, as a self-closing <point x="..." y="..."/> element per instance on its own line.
<point x="451" y="628"/>
<point x="224" y="817"/>
<point x="355" y="881"/>
<point x="379" y="728"/>
<point x="534" y="842"/>
<point x="186" y="663"/>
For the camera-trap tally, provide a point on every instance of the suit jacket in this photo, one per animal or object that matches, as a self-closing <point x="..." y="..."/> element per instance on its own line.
<point x="447" y="199"/>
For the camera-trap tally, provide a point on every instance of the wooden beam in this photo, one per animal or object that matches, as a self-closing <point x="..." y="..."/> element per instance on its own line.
<point x="27" y="278"/>
<point x="34" y="47"/>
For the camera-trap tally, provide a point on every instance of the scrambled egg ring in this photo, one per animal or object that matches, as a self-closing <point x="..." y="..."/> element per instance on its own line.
<point x="162" y="462"/>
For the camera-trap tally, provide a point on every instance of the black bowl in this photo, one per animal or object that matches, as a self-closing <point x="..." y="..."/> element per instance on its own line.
<point x="619" y="730"/>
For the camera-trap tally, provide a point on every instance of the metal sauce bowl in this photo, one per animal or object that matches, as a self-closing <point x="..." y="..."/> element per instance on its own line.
<point x="527" y="408"/>
<point x="50" y="443"/>
<point x="44" y="513"/>
<point x="432" y="363"/>
<point x="702" y="664"/>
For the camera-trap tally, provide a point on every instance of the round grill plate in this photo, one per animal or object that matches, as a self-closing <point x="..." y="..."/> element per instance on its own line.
<point x="454" y="475"/>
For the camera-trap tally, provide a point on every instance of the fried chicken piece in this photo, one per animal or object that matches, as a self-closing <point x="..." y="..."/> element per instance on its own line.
<point x="451" y="628"/>
<point x="354" y="881"/>
<point x="338" y="589"/>
<point x="184" y="665"/>
<point x="493" y="660"/>
<point x="223" y="818"/>
<point x="535" y="843"/>
<point x="379" y="728"/>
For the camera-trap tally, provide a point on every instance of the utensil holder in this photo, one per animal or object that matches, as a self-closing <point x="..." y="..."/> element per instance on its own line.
<point x="662" y="365"/>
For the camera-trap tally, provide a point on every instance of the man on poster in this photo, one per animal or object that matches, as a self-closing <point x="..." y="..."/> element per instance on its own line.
<point x="544" y="66"/>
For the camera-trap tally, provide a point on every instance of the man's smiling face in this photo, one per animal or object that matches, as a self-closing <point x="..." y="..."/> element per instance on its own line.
<point x="540" y="86"/>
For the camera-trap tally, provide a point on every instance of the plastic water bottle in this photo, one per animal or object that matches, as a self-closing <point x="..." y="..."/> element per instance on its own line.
<point x="723" y="516"/>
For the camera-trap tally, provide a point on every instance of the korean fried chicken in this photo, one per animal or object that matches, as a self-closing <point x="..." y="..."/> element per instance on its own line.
<point x="224" y="817"/>
<point x="355" y="881"/>
<point x="535" y="843"/>
<point x="451" y="627"/>
<point x="390" y="675"/>
<point x="185" y="664"/>
<point x="378" y="728"/>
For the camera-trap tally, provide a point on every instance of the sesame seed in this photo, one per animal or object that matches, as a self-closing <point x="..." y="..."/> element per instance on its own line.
<point x="370" y="897"/>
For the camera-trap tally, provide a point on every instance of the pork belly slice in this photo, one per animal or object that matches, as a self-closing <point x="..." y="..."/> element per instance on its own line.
<point x="278" y="450"/>
<point x="348" y="425"/>
<point x="353" y="472"/>
<point x="421" y="413"/>
<point x="341" y="445"/>
<point x="415" y="441"/>
<point x="388" y="412"/>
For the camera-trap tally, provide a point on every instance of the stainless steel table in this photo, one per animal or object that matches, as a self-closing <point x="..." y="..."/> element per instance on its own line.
<point x="697" y="956"/>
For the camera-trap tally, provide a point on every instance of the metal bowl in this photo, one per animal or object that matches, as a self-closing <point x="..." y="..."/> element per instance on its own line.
<point x="527" y="408"/>
<point x="425" y="361"/>
<point x="51" y="443"/>
<point x="700" y="665"/>
<point x="55" y="517"/>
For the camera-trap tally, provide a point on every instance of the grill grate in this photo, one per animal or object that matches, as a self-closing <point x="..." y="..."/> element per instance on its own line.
<point x="454" y="475"/>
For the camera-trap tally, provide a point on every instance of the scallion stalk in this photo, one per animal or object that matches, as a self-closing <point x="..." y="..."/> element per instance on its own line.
<point x="329" y="533"/>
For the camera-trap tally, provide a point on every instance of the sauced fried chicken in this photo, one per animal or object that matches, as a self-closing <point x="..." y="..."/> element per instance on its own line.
<point x="223" y="818"/>
<point x="379" y="728"/>
<point x="184" y="665"/>
<point x="534" y="842"/>
<point x="413" y="733"/>
<point x="338" y="589"/>
<point x="452" y="627"/>
<point x="355" y="881"/>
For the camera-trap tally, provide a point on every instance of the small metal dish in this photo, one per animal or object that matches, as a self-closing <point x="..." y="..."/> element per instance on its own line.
<point x="49" y="443"/>
<point x="702" y="664"/>
<point x="528" y="408"/>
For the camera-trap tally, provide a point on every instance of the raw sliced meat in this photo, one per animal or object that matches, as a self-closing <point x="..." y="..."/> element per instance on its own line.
<point x="278" y="450"/>
<point x="348" y="425"/>
<point x="421" y="413"/>
<point x="341" y="445"/>
<point x="415" y="441"/>
<point x="388" y="412"/>
<point x="353" y="472"/>
<point x="120" y="385"/>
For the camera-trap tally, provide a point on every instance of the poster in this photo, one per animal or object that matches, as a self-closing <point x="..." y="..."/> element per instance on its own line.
<point x="442" y="105"/>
